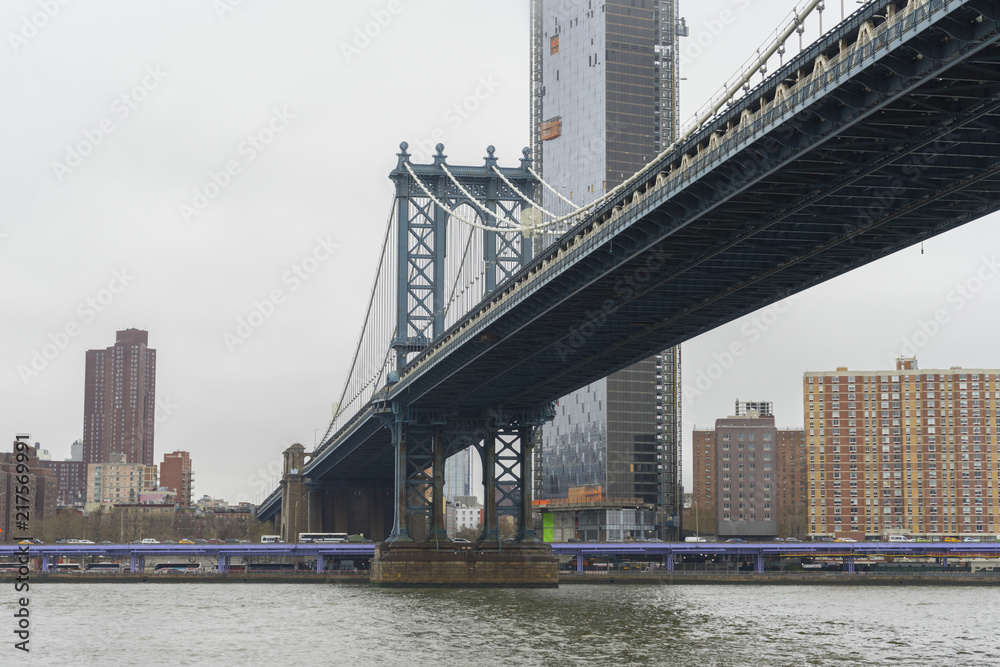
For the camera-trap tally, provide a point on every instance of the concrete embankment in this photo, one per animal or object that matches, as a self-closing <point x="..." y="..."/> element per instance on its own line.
<point x="201" y="578"/>
<point x="648" y="579"/>
<point x="786" y="579"/>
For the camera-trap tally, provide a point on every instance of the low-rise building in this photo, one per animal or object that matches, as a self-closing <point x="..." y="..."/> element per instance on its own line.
<point x="34" y="490"/>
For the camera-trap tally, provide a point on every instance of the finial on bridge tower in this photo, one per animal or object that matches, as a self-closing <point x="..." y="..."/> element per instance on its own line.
<point x="526" y="160"/>
<point x="439" y="157"/>
<point x="491" y="160"/>
<point x="403" y="155"/>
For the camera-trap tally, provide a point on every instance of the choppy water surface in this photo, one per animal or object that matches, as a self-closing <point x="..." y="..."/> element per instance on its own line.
<point x="276" y="624"/>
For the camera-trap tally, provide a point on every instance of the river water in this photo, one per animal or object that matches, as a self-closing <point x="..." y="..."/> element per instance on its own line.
<point x="315" y="624"/>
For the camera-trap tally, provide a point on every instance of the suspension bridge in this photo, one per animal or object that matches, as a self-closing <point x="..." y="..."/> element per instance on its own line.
<point x="486" y="308"/>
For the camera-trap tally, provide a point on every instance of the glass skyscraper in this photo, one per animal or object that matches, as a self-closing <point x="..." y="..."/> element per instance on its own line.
<point x="603" y="105"/>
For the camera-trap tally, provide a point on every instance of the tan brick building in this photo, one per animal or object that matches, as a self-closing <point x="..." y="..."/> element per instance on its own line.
<point x="119" y="481"/>
<point x="902" y="451"/>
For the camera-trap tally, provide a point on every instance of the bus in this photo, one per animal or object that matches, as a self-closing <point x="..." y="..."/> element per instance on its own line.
<point x="177" y="567"/>
<point x="270" y="539"/>
<point x="68" y="567"/>
<point x="322" y="537"/>
<point x="104" y="567"/>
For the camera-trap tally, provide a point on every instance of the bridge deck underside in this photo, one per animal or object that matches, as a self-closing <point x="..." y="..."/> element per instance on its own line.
<point x="906" y="149"/>
<point x="892" y="157"/>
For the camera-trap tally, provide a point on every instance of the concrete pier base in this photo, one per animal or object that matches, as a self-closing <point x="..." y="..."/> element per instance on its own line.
<point x="463" y="564"/>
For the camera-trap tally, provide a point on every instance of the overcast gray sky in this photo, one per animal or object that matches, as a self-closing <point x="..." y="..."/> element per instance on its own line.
<point x="167" y="165"/>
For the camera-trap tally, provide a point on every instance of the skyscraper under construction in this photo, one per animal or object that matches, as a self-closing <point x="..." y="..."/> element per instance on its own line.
<point x="603" y="105"/>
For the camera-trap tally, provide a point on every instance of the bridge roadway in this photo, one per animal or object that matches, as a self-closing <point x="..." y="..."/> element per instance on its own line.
<point x="665" y="551"/>
<point x="879" y="135"/>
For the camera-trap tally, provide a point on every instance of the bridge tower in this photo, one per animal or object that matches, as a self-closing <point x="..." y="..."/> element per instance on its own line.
<point x="494" y="201"/>
<point x="425" y="193"/>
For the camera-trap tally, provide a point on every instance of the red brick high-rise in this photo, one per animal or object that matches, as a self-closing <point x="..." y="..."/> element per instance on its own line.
<point x="175" y="473"/>
<point x="120" y="400"/>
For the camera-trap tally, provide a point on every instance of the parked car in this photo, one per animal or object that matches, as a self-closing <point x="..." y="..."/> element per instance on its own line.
<point x="199" y="540"/>
<point x="215" y="541"/>
<point x="735" y="539"/>
<point x="844" y="539"/>
<point x="186" y="541"/>
<point x="792" y="539"/>
<point x="971" y="539"/>
<point x="149" y="540"/>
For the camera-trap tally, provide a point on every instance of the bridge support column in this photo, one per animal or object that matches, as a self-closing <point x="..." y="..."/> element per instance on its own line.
<point x="525" y="529"/>
<point x="400" y="531"/>
<point x="668" y="560"/>
<point x="759" y="563"/>
<point x="45" y="563"/>
<point x="223" y="564"/>
<point x="439" y="531"/>
<point x="490" y="532"/>
<point x="319" y="564"/>
<point x="579" y="562"/>
<point x="137" y="563"/>
<point x="849" y="564"/>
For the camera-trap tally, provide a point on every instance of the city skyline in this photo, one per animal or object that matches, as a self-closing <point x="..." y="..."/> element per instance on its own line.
<point x="106" y="241"/>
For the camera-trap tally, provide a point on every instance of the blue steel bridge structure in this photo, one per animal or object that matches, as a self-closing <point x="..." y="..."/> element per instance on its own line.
<point x="880" y="134"/>
<point x="44" y="558"/>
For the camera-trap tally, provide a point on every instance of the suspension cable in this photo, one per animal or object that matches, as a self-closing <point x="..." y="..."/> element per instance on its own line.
<point x="368" y="310"/>
<point x="521" y="194"/>
<point x="453" y="213"/>
<point x="477" y="204"/>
